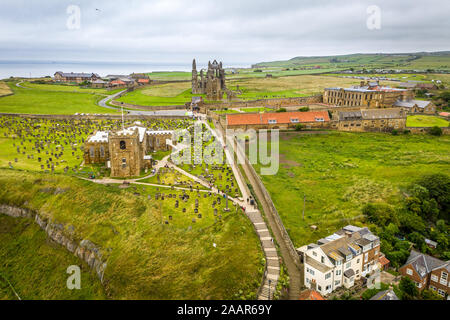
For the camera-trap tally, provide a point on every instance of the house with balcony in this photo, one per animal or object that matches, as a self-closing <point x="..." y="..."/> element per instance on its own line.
<point x="341" y="259"/>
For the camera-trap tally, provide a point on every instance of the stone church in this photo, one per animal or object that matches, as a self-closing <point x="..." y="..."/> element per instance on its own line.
<point x="126" y="151"/>
<point x="212" y="84"/>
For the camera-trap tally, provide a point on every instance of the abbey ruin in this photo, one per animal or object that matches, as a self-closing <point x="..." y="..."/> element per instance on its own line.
<point x="212" y="84"/>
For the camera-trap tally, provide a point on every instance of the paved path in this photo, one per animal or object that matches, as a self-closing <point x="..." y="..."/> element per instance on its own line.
<point x="102" y="103"/>
<point x="272" y="272"/>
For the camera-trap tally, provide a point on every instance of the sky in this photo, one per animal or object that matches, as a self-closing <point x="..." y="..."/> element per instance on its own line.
<point x="234" y="31"/>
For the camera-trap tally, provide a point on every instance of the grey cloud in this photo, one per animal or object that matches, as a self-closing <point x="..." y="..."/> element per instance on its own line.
<point x="238" y="31"/>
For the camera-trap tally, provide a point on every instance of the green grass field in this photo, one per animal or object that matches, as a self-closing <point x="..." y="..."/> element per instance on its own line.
<point x="38" y="101"/>
<point x="68" y="88"/>
<point x="425" y="121"/>
<point x="36" y="266"/>
<point x="177" y="93"/>
<point x="147" y="259"/>
<point x="340" y="172"/>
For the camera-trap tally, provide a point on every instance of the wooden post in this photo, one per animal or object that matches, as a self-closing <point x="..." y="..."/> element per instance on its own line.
<point x="304" y="201"/>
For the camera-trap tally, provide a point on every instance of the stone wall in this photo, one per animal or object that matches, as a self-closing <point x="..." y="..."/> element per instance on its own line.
<point x="426" y="130"/>
<point x="261" y="189"/>
<point x="93" y="117"/>
<point x="147" y="108"/>
<point x="84" y="249"/>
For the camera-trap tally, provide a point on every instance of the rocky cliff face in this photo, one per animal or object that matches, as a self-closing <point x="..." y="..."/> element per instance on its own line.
<point x="85" y="249"/>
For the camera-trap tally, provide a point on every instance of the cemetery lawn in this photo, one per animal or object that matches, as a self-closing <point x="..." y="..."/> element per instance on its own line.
<point x="146" y="258"/>
<point x="37" y="101"/>
<point x="36" y="266"/>
<point x="340" y="172"/>
<point x="425" y="121"/>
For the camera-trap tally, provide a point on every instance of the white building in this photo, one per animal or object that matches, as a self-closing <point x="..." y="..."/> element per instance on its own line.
<point x="340" y="259"/>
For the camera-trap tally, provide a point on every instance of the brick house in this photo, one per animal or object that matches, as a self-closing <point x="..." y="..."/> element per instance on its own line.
<point x="378" y="120"/>
<point x="427" y="272"/>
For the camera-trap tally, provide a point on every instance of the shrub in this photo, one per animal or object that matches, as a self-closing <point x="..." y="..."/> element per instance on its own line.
<point x="409" y="289"/>
<point x="303" y="109"/>
<point x="281" y="110"/>
<point x="395" y="132"/>
<point x="298" y="127"/>
<point x="406" y="131"/>
<point x="436" y="131"/>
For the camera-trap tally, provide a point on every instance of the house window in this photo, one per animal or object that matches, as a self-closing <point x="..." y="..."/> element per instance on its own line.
<point x="272" y="121"/>
<point x="338" y="272"/>
<point x="409" y="271"/>
<point x="433" y="288"/>
<point x="348" y="265"/>
<point x="102" y="151"/>
<point x="336" y="283"/>
<point x="314" y="254"/>
<point x="322" y="259"/>
<point x="328" y="275"/>
<point x="123" y="145"/>
<point x="357" y="260"/>
<point x="294" y="120"/>
<point x="319" y="287"/>
<point x="319" y="119"/>
<point x="328" y="287"/>
<point x="444" y="276"/>
<point x="124" y="163"/>
<point x="92" y="151"/>
<point x="434" y="278"/>
<point x="441" y="292"/>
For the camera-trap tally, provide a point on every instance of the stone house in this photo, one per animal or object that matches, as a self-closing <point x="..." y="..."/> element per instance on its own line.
<point x="427" y="272"/>
<point x="75" y="77"/>
<point x="372" y="120"/>
<point x="416" y="106"/>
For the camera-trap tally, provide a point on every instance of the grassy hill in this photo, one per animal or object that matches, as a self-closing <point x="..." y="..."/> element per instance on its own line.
<point x="147" y="259"/>
<point x="36" y="100"/>
<point x="4" y="89"/>
<point x="420" y="60"/>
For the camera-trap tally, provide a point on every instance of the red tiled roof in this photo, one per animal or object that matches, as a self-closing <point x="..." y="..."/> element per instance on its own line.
<point x="144" y="80"/>
<point x="280" y="117"/>
<point x="383" y="260"/>
<point x="310" y="295"/>
<point x="117" y="82"/>
<point x="444" y="114"/>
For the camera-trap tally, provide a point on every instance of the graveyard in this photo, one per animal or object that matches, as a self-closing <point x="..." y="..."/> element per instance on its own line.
<point x="57" y="145"/>
<point x="154" y="247"/>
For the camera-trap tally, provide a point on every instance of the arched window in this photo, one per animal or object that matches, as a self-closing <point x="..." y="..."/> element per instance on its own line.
<point x="124" y="163"/>
<point x="102" y="151"/>
<point x="123" y="145"/>
<point x="92" y="151"/>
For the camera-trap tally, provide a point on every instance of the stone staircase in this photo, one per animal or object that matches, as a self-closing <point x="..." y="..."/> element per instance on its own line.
<point x="272" y="259"/>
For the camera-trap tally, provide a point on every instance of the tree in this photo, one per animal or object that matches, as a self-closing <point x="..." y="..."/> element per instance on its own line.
<point x="281" y="110"/>
<point x="430" y="295"/>
<point x="303" y="109"/>
<point x="298" y="127"/>
<point x="436" y="131"/>
<point x="438" y="187"/>
<point x="409" y="289"/>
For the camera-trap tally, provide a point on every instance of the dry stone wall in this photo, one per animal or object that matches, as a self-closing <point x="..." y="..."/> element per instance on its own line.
<point x="84" y="249"/>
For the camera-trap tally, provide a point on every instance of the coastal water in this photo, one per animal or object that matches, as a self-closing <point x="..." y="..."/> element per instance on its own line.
<point x="48" y="68"/>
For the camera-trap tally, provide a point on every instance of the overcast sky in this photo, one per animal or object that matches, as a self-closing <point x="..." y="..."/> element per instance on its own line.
<point x="235" y="31"/>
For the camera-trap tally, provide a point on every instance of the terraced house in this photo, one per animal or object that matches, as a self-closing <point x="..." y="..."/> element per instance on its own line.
<point x="427" y="272"/>
<point x="340" y="259"/>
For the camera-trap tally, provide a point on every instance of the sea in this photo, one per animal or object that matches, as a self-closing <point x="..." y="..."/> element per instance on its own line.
<point x="34" y="69"/>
